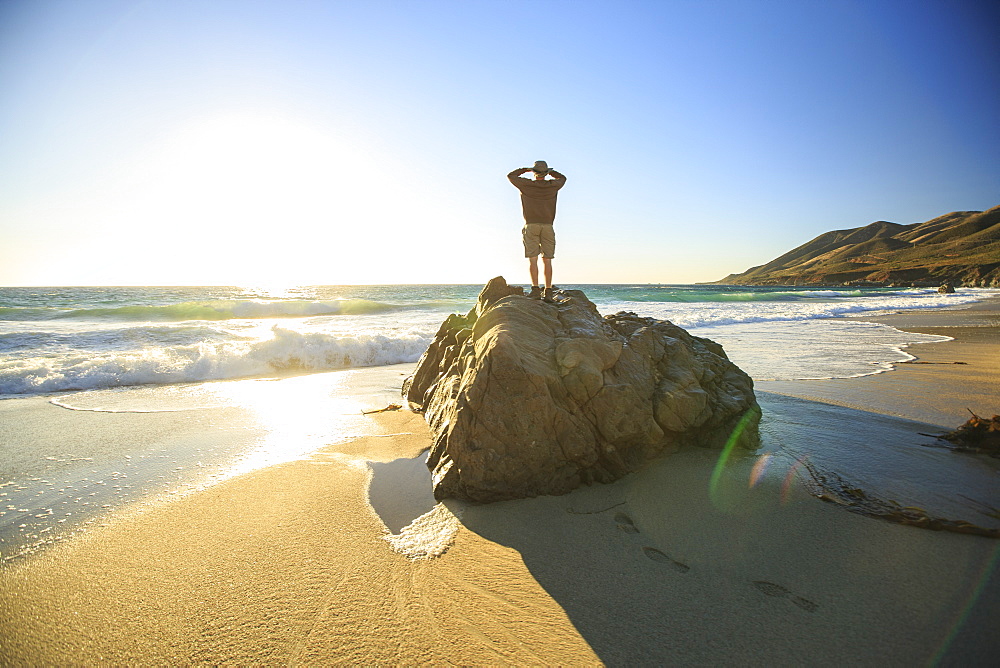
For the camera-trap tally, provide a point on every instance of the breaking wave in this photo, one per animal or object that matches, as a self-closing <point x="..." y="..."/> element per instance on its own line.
<point x="286" y="352"/>
<point x="819" y="305"/>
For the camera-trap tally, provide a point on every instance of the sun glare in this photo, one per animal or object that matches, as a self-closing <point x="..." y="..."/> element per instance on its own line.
<point x="298" y="415"/>
<point x="246" y="199"/>
<point x="257" y="199"/>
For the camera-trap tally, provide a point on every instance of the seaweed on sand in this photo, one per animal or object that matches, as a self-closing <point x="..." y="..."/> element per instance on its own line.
<point x="832" y="488"/>
<point x="980" y="435"/>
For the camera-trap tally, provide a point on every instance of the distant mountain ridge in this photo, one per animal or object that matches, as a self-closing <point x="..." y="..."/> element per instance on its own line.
<point x="961" y="248"/>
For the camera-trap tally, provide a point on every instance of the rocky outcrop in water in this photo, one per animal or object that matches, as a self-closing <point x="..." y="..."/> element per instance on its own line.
<point x="526" y="398"/>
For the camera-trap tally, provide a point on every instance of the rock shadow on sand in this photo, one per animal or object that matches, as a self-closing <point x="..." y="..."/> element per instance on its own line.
<point x="400" y="491"/>
<point x="663" y="568"/>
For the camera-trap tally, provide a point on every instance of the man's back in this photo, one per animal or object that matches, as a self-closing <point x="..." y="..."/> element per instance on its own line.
<point x="538" y="197"/>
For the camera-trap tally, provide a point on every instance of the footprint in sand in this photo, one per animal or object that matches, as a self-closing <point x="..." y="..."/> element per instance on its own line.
<point x="778" y="591"/>
<point x="625" y="523"/>
<point x="656" y="555"/>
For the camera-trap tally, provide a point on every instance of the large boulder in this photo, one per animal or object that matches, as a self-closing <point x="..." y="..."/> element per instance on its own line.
<point x="525" y="397"/>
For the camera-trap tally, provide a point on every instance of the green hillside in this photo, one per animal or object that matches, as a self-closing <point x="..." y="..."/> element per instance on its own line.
<point x="961" y="248"/>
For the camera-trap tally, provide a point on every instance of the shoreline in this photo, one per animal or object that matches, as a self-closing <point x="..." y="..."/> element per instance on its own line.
<point x="291" y="564"/>
<point x="939" y="387"/>
<point x="106" y="451"/>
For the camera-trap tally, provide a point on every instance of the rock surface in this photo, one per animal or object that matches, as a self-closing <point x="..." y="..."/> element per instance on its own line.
<point x="525" y="398"/>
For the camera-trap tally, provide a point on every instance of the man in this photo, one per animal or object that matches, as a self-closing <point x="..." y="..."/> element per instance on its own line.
<point x="538" y="202"/>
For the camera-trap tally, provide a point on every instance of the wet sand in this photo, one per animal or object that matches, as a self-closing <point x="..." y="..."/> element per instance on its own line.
<point x="941" y="386"/>
<point x="291" y="564"/>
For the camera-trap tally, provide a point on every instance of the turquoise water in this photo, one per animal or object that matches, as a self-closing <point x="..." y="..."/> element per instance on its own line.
<point x="63" y="339"/>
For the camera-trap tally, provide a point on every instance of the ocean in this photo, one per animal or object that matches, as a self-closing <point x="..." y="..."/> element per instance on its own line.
<point x="77" y="339"/>
<point x="114" y="395"/>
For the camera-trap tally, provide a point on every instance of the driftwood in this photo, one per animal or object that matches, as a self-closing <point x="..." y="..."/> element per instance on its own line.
<point x="977" y="435"/>
<point x="390" y="407"/>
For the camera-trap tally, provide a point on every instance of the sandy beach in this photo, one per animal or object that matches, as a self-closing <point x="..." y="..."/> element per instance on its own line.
<point x="946" y="381"/>
<point x="291" y="564"/>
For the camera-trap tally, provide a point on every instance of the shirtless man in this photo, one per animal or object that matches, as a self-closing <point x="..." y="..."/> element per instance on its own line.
<point x="538" y="202"/>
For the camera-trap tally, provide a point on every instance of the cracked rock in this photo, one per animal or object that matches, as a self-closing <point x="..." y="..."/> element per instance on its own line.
<point x="525" y="398"/>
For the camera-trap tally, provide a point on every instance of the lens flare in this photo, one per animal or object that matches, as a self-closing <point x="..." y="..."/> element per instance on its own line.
<point x="759" y="468"/>
<point x="786" y="485"/>
<point x="962" y="617"/>
<point x="734" y="437"/>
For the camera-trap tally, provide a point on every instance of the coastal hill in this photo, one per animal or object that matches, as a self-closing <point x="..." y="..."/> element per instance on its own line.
<point x="961" y="248"/>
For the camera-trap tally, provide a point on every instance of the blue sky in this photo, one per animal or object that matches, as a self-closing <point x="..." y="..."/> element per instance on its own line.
<point x="367" y="142"/>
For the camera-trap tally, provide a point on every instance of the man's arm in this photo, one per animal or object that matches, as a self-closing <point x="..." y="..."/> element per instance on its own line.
<point x="516" y="173"/>
<point x="558" y="177"/>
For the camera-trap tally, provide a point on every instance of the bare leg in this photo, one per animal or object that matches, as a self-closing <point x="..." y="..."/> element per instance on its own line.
<point x="533" y="269"/>
<point x="547" y="267"/>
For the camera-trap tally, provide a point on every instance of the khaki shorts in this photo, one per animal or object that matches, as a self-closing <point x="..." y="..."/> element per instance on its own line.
<point x="537" y="239"/>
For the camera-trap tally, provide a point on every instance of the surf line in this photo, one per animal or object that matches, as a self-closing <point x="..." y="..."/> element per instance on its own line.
<point x="56" y="402"/>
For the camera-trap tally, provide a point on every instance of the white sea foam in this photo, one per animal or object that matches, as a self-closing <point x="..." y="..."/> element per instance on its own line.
<point x="430" y="535"/>
<point x="813" y="349"/>
<point x="786" y="340"/>
<point x="64" y="339"/>
<point x="286" y="351"/>
<point x="829" y="304"/>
